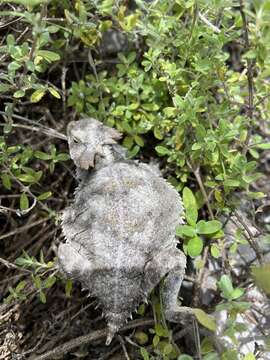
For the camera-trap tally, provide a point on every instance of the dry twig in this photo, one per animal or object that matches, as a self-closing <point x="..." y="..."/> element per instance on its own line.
<point x="85" y="339"/>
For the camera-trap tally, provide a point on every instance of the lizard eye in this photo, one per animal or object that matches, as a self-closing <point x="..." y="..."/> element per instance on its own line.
<point x="76" y="140"/>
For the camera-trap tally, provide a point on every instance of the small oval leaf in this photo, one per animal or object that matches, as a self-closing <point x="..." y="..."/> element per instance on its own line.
<point x="37" y="95"/>
<point x="195" y="246"/>
<point x="205" y="319"/>
<point x="208" y="227"/>
<point x="24" y="202"/>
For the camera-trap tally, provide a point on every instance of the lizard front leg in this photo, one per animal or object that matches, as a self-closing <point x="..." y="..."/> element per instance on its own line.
<point x="73" y="263"/>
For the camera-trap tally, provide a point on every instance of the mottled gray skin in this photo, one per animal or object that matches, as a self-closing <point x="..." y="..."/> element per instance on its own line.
<point x="120" y="229"/>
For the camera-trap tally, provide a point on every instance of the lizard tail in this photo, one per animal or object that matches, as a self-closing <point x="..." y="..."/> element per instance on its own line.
<point x="112" y="329"/>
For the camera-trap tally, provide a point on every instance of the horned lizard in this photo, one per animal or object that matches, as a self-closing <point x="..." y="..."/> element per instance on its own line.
<point x="120" y="229"/>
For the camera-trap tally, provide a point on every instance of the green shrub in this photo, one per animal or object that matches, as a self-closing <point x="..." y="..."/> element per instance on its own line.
<point x="192" y="89"/>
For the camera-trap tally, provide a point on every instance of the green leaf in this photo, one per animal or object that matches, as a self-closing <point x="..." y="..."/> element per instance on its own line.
<point x="49" y="282"/>
<point x="251" y="178"/>
<point x="27" y="178"/>
<point x="237" y="293"/>
<point x="170" y="111"/>
<point x="133" y="152"/>
<point x="157" y="133"/>
<point x="53" y="29"/>
<point x="37" y="282"/>
<point x="68" y="288"/>
<point x="54" y="93"/>
<point x="190" y="205"/>
<point x="256" y="195"/>
<point x="195" y="246"/>
<point x="179" y="102"/>
<point x="19" y="94"/>
<point x="6" y="181"/>
<point x="231" y="183"/>
<point x="30" y="66"/>
<point x="42" y="297"/>
<point x="133" y="106"/>
<point x="44" y="195"/>
<point x="49" y="56"/>
<point x="261" y="277"/>
<point x="128" y="142"/>
<point x="264" y="146"/>
<point x="156" y="340"/>
<point x="62" y="157"/>
<point x="150" y="107"/>
<point x="218" y="196"/>
<point x="215" y="252"/>
<point x="42" y="155"/>
<point x="162" y="150"/>
<point x="24" y="202"/>
<point x="185" y="230"/>
<point x="205" y="319"/>
<point x="37" y="95"/>
<point x="208" y="227"/>
<point x="206" y="346"/>
<point x="168" y="348"/>
<point x="51" y="167"/>
<point x="196" y="146"/>
<point x="139" y="141"/>
<point x="161" y="331"/>
<point x="211" y="356"/>
<point x="254" y="153"/>
<point x="25" y="260"/>
<point x="141" y="337"/>
<point x="184" y="357"/>
<point x="38" y="175"/>
<point x="141" y="309"/>
<point x="249" y="356"/>
<point x="5" y="88"/>
<point x="225" y="285"/>
<point x="144" y="353"/>
<point x="189" y="199"/>
<point x="26" y="3"/>
<point x="21" y="285"/>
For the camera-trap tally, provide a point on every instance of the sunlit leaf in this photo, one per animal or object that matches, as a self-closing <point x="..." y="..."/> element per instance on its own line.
<point x="195" y="246"/>
<point x="37" y="95"/>
<point x="205" y="319"/>
<point x="24" y="202"/>
<point x="261" y="275"/>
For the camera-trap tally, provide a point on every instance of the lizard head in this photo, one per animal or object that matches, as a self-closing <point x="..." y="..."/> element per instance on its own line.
<point x="86" y="139"/>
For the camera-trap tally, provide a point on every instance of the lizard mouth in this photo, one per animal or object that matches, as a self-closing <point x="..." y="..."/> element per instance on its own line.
<point x="87" y="161"/>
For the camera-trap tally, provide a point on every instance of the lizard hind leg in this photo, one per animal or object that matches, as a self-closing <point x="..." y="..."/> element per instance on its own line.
<point x="171" y="287"/>
<point x="169" y="263"/>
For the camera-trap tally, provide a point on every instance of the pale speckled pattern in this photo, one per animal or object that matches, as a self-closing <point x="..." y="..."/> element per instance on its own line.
<point x="120" y="229"/>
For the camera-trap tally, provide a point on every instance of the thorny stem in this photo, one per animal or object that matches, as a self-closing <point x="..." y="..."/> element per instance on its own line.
<point x="250" y="64"/>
